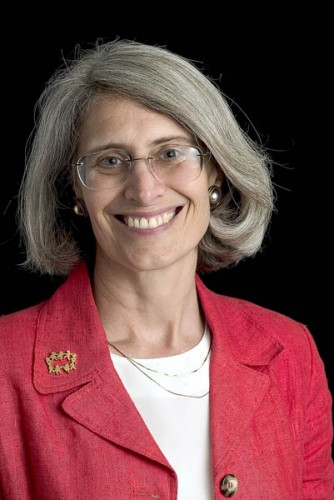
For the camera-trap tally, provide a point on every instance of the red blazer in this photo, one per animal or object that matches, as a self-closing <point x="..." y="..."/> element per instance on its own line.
<point x="69" y="429"/>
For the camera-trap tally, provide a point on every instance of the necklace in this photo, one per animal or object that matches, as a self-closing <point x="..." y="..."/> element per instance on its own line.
<point x="136" y="362"/>
<point x="140" y="367"/>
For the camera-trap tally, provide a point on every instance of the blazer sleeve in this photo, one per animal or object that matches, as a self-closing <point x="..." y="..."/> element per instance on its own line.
<point x="318" y="474"/>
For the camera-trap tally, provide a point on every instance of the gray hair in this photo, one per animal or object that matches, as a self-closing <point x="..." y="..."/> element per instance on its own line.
<point x="162" y="81"/>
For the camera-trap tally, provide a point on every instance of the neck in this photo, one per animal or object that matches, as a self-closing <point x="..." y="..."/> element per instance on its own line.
<point x="149" y="313"/>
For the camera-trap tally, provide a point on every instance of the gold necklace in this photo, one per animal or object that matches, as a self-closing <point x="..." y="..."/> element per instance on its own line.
<point x="139" y="367"/>
<point x="134" y="361"/>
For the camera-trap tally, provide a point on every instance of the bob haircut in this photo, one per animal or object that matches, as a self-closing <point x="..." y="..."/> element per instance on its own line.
<point x="167" y="83"/>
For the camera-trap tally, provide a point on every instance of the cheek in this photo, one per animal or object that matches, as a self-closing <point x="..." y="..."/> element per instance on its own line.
<point x="200" y="207"/>
<point x="93" y="205"/>
<point x="205" y="210"/>
<point x="97" y="202"/>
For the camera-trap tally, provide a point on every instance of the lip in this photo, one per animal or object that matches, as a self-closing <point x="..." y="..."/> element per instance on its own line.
<point x="144" y="222"/>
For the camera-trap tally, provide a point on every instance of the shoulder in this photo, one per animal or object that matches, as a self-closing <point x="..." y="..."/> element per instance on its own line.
<point x="258" y="315"/>
<point x="23" y="321"/>
<point x="257" y="336"/>
<point x="18" y="337"/>
<point x="17" y="327"/>
<point x="248" y="322"/>
<point x="24" y="316"/>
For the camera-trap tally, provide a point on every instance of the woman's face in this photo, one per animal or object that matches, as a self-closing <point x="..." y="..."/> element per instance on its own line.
<point x="177" y="213"/>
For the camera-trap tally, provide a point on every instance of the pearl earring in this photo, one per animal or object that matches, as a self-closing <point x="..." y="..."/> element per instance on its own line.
<point x="79" y="208"/>
<point x="215" y="196"/>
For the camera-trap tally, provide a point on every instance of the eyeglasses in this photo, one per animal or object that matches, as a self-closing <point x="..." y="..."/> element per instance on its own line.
<point x="110" y="168"/>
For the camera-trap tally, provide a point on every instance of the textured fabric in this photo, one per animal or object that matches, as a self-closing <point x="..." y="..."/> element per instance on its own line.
<point x="77" y="434"/>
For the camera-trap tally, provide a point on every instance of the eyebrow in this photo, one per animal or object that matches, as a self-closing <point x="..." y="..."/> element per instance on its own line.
<point x="156" y="142"/>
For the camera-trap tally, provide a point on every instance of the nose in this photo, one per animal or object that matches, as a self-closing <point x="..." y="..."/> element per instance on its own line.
<point x="142" y="184"/>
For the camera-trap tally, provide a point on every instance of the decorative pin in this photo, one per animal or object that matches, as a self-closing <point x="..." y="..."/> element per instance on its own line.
<point x="71" y="357"/>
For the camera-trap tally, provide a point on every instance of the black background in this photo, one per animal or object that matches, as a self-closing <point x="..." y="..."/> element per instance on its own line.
<point x="276" y="69"/>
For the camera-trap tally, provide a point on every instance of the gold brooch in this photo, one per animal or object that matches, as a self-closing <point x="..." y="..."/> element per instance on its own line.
<point x="71" y="357"/>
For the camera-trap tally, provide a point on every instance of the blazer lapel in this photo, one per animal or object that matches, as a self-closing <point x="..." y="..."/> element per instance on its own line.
<point x="104" y="407"/>
<point x="236" y="393"/>
<point x="237" y="384"/>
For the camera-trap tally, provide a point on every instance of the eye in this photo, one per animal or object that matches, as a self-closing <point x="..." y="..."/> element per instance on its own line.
<point x="110" y="161"/>
<point x="171" y="154"/>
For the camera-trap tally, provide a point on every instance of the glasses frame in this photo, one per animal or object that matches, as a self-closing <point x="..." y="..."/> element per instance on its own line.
<point x="148" y="160"/>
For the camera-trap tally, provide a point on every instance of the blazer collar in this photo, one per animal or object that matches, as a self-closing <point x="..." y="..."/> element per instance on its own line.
<point x="69" y="321"/>
<point x="241" y="330"/>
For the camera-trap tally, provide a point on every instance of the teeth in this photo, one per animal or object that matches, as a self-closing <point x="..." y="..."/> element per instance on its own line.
<point x="151" y="222"/>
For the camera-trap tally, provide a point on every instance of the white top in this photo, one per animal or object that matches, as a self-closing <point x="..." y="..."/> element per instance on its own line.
<point x="179" y="425"/>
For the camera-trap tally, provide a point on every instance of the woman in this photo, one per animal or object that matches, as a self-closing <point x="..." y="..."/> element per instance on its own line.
<point x="134" y="380"/>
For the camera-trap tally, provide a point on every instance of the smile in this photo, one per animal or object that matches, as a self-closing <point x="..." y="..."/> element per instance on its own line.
<point x="149" y="222"/>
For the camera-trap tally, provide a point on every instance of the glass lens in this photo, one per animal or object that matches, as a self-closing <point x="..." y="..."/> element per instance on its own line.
<point x="180" y="163"/>
<point x="104" y="169"/>
<point x="110" y="168"/>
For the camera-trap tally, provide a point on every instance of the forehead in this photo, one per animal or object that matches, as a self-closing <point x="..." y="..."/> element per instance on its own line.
<point x="117" y="120"/>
